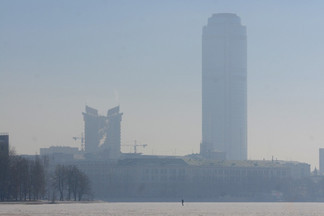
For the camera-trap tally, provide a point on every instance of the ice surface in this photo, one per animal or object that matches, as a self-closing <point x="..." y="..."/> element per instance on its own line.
<point x="166" y="209"/>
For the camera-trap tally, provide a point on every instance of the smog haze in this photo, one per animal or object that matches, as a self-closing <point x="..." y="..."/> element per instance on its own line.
<point x="58" y="56"/>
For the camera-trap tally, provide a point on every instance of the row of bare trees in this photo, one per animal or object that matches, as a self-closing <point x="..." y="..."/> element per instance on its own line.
<point x="70" y="183"/>
<point x="21" y="179"/>
<point x="24" y="179"/>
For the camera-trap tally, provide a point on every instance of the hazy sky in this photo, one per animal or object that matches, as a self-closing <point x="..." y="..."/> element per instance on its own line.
<point x="57" y="56"/>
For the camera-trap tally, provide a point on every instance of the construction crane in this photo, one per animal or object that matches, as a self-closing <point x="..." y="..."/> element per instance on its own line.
<point x="82" y="141"/>
<point x="135" y="145"/>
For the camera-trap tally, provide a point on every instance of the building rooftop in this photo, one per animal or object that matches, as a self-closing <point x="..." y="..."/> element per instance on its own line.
<point x="237" y="163"/>
<point x="196" y="160"/>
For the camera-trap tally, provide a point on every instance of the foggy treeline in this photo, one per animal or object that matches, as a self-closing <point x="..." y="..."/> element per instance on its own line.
<point x="70" y="183"/>
<point x="24" y="179"/>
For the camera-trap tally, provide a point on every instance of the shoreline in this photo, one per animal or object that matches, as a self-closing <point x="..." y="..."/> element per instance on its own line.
<point x="42" y="202"/>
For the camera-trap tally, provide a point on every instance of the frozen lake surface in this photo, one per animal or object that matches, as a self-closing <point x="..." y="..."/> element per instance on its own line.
<point x="143" y="209"/>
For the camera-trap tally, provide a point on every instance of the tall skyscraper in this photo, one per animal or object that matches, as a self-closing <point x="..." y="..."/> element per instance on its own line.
<point x="224" y="88"/>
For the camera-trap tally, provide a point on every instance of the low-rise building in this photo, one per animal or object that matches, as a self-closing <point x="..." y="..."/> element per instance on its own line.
<point x="173" y="178"/>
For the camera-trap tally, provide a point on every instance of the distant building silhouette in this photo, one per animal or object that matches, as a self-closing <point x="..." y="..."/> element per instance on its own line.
<point x="91" y="129"/>
<point x="112" y="142"/>
<point x="321" y="160"/>
<point x="168" y="178"/>
<point x="4" y="144"/>
<point x="61" y="154"/>
<point x="224" y="88"/>
<point x="59" y="149"/>
<point x="102" y="133"/>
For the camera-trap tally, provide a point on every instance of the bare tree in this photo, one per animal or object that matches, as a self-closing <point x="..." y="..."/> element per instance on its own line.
<point x="60" y="180"/>
<point x="84" y="186"/>
<point x="4" y="162"/>
<point x="70" y="181"/>
<point x="38" y="179"/>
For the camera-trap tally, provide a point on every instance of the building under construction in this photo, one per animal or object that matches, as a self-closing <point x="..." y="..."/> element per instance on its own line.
<point x="102" y="133"/>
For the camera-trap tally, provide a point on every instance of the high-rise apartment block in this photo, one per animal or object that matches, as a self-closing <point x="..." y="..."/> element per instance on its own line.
<point x="224" y="88"/>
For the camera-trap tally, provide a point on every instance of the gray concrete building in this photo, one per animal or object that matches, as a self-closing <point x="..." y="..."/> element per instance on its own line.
<point x="157" y="178"/>
<point x="224" y="88"/>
